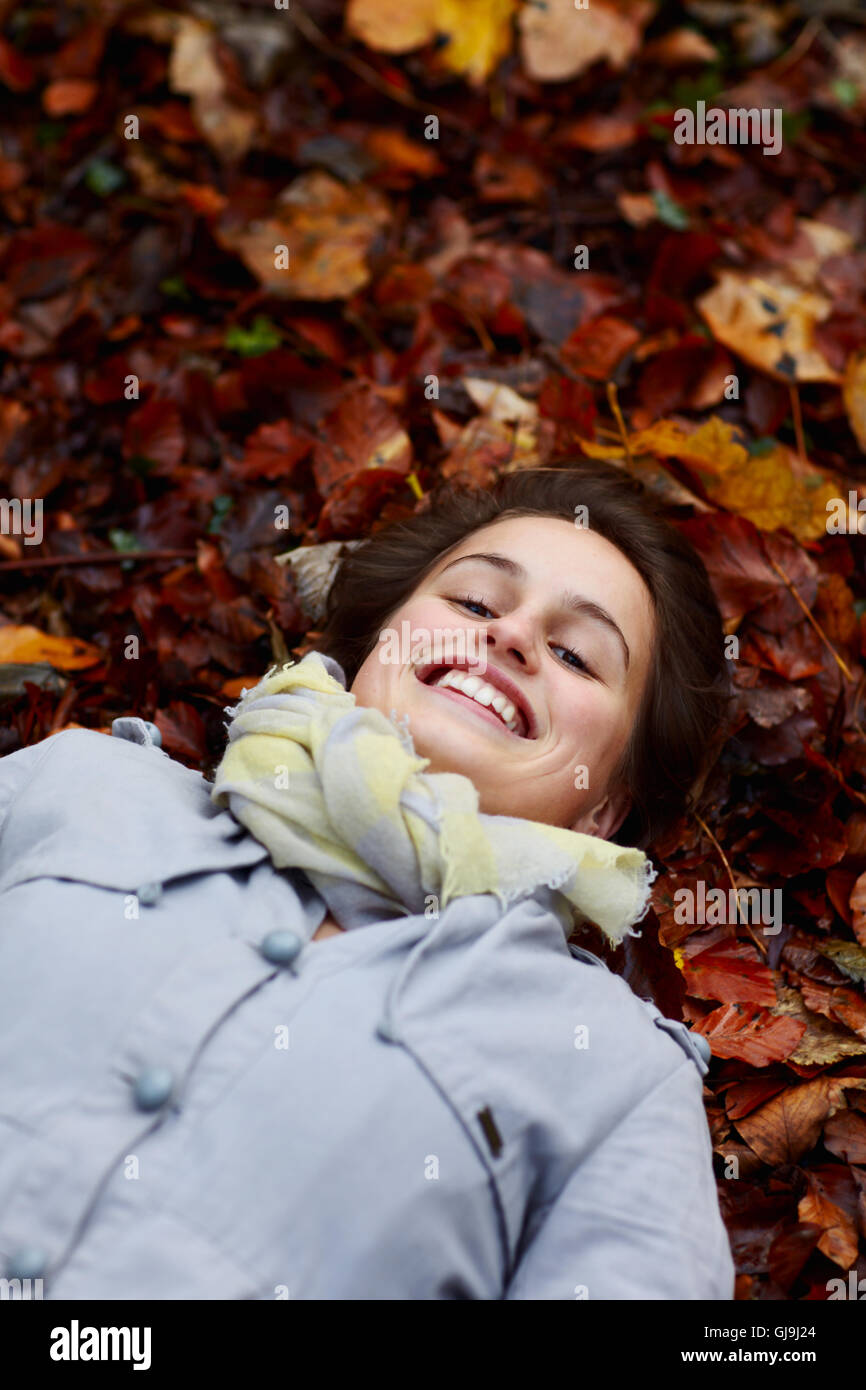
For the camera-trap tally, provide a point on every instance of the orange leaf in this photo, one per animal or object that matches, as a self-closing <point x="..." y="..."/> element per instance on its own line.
<point x="839" y="1241"/>
<point x="751" y="1034"/>
<point x="28" y="644"/>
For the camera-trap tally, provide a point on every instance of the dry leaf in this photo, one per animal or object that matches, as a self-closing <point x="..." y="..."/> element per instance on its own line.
<point x="789" y="1125"/>
<point x="822" y="1042"/>
<point x="63" y="653"/>
<point x="499" y="402"/>
<point x="839" y="1241"/>
<point x="476" y="37"/>
<point x="770" y="325"/>
<point x="557" y="41"/>
<point x="854" y="396"/>
<point x="328" y="229"/>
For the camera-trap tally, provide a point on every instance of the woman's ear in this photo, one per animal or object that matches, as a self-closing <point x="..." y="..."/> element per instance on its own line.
<point x="605" y="818"/>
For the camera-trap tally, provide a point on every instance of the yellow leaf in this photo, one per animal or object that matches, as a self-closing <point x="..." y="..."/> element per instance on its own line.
<point x="854" y="396"/>
<point x="28" y="644"/>
<point x="601" y="451"/>
<point x="479" y="35"/>
<point x="766" y="489"/>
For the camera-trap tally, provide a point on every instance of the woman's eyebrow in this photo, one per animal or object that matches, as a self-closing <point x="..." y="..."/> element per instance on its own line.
<point x="575" y="602"/>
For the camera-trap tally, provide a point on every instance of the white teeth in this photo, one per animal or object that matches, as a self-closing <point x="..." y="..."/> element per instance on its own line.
<point x="483" y="693"/>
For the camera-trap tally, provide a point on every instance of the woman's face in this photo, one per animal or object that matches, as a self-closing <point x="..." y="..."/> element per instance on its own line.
<point x="543" y="611"/>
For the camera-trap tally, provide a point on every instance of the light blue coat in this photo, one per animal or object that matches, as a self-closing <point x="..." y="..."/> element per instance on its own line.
<point x="442" y="1108"/>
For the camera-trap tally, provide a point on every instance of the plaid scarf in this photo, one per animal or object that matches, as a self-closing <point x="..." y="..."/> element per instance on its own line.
<point x="336" y="789"/>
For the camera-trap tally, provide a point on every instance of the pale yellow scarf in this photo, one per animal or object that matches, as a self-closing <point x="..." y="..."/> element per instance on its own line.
<point x="337" y="790"/>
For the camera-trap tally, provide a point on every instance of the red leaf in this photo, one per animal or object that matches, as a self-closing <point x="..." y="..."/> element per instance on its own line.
<point x="751" y="1034"/>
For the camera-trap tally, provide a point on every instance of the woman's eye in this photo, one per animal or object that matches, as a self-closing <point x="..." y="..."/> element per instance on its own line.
<point x="577" y="662"/>
<point x="473" y="603"/>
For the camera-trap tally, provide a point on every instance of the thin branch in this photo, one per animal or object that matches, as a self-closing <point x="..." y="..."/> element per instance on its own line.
<point x="798" y="422"/>
<point x="724" y="858"/>
<point x="816" y="625"/>
<point x="613" y="402"/>
<point x="314" y="34"/>
<point x="99" y="557"/>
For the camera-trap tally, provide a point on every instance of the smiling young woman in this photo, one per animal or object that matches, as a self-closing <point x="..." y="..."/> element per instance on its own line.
<point x="610" y="631"/>
<point x="446" y="1100"/>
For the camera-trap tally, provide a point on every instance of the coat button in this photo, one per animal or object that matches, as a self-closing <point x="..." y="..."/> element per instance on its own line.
<point x="153" y="1087"/>
<point x="27" y="1263"/>
<point x="281" y="947"/>
<point x="149" y="894"/>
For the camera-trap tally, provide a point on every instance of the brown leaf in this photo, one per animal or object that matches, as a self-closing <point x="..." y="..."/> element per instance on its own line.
<point x="328" y="229"/>
<point x="839" y="1241"/>
<point x="857" y="903"/>
<point x="854" y="396"/>
<point x="789" y="1125"/>
<point x="845" y="1136"/>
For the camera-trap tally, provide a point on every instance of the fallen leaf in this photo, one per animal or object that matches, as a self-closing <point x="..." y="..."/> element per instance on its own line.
<point x="328" y="229"/>
<point x="473" y="39"/>
<point x="361" y="432"/>
<point x="854" y="396"/>
<point x="391" y="26"/>
<point x="845" y="1136"/>
<point x="821" y="1042"/>
<point x="499" y="402"/>
<point x="857" y="903"/>
<point x="751" y="1034"/>
<point x="731" y="972"/>
<point x="558" y="42"/>
<point x="28" y="644"/>
<point x="839" y="1241"/>
<point x="789" y="1125"/>
<point x="770" y="325"/>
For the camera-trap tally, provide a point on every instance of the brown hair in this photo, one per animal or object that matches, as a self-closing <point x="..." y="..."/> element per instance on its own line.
<point x="670" y="749"/>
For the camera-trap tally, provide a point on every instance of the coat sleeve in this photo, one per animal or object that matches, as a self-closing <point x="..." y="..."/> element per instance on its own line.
<point x="16" y="769"/>
<point x="639" y="1218"/>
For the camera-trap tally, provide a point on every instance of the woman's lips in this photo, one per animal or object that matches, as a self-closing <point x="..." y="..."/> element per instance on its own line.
<point x="467" y="703"/>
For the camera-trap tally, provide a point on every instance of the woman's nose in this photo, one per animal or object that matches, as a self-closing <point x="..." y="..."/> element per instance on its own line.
<point x="514" y="633"/>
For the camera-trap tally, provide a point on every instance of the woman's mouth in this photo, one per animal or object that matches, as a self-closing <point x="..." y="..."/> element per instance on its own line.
<point x="484" y="697"/>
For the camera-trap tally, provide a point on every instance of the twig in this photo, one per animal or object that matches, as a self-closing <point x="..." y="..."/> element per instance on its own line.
<point x="65" y="704"/>
<point x="724" y="858"/>
<point x="798" y="422"/>
<point x="613" y="402"/>
<point x="803" y="41"/>
<point x="314" y="34"/>
<point x="415" y="486"/>
<point x="816" y="625"/>
<point x="99" y="557"/>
